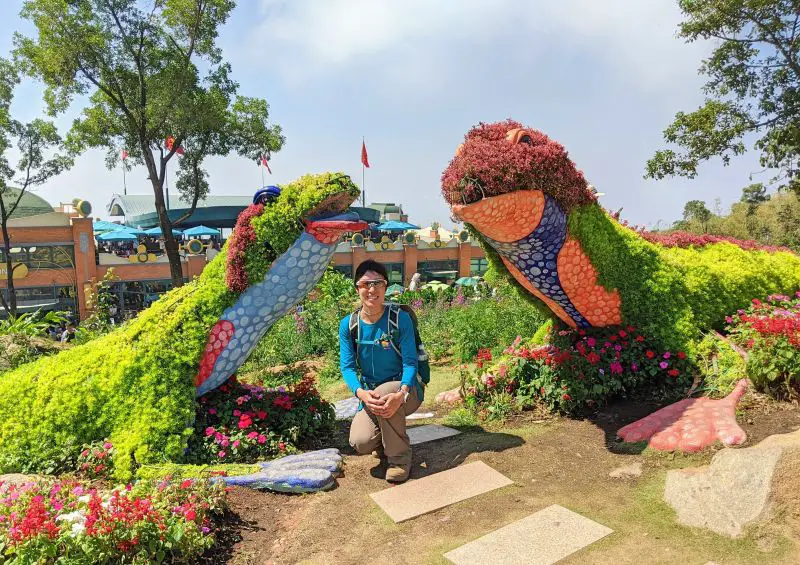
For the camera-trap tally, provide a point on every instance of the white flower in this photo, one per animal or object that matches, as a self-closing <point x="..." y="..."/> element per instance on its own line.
<point x="76" y="517"/>
<point x="77" y="529"/>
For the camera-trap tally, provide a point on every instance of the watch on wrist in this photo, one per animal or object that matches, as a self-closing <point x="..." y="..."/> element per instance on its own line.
<point x="405" y="394"/>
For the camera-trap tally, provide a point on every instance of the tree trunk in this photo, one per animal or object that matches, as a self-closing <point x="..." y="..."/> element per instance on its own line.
<point x="10" y="306"/>
<point x="170" y="245"/>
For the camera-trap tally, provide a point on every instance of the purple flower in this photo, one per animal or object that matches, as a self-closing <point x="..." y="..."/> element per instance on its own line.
<point x="663" y="364"/>
<point x="634" y="367"/>
<point x="617" y="348"/>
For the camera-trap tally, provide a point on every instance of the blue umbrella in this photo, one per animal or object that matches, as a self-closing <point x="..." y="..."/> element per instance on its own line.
<point x="200" y="230"/>
<point x="157" y="231"/>
<point x="395" y="225"/>
<point x="119" y="235"/>
<point x="102" y="225"/>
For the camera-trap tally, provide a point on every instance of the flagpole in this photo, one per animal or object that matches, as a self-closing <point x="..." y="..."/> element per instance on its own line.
<point x="124" y="183"/>
<point x="363" y="182"/>
<point x="262" y="175"/>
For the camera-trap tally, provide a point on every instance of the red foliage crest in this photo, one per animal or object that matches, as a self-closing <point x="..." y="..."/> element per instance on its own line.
<point x="488" y="165"/>
<point x="243" y="236"/>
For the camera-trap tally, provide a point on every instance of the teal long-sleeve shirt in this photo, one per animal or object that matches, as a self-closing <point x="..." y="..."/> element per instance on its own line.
<point x="377" y="359"/>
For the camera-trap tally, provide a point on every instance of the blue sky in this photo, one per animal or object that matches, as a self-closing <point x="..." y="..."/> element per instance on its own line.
<point x="412" y="76"/>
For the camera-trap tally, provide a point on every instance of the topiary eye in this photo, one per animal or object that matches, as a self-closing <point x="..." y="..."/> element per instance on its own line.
<point x="525" y="138"/>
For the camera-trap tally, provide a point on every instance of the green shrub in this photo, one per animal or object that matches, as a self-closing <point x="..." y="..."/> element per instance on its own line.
<point x="720" y="365"/>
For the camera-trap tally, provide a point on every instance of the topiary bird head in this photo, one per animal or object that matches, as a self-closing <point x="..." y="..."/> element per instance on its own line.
<point x="506" y="165"/>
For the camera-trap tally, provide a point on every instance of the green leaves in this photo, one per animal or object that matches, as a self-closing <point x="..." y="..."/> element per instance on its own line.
<point x="752" y="88"/>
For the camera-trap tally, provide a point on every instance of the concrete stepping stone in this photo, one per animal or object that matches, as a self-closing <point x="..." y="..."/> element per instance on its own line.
<point x="433" y="492"/>
<point x="420" y="416"/>
<point x="346" y="409"/>
<point x="429" y="432"/>
<point x="542" y="538"/>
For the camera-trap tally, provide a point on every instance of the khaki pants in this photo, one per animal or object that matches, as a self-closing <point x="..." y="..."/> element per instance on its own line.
<point x="368" y="431"/>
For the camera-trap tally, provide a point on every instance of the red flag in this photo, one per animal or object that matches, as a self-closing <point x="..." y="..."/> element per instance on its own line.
<point x="124" y="154"/>
<point x="265" y="162"/>
<point x="170" y="141"/>
<point x="364" y="158"/>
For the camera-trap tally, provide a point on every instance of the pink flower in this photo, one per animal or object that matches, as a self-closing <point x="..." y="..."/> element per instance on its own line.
<point x="107" y="445"/>
<point x="663" y="364"/>
<point x="252" y="435"/>
<point x="244" y="422"/>
<point x="212" y="411"/>
<point x="221" y="454"/>
<point x="236" y="443"/>
<point x="237" y="413"/>
<point x="591" y="342"/>
<point x="667" y="355"/>
<point x="262" y="439"/>
<point x="210" y="431"/>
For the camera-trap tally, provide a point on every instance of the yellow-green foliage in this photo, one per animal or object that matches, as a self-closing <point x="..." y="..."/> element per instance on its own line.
<point x="675" y="294"/>
<point x="720" y="365"/>
<point x="135" y="386"/>
<point x="177" y="471"/>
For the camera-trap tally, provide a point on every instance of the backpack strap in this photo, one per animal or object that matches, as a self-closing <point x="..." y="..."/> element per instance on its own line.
<point x="394" y="326"/>
<point x="355" y="330"/>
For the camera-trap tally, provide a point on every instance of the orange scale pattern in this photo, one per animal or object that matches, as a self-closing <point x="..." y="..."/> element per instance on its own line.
<point x="506" y="218"/>
<point x="579" y="281"/>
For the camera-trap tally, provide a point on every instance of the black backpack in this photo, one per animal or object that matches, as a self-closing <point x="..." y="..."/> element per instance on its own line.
<point x="423" y="365"/>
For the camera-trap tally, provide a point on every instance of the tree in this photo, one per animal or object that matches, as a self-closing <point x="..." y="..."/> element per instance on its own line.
<point x="33" y="141"/>
<point x="755" y="194"/>
<point x="141" y="69"/>
<point x="695" y="210"/>
<point x="752" y="89"/>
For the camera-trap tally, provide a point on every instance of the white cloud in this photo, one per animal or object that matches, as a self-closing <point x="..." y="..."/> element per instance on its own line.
<point x="635" y="40"/>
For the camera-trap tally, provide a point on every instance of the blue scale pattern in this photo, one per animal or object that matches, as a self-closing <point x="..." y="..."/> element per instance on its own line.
<point x="536" y="255"/>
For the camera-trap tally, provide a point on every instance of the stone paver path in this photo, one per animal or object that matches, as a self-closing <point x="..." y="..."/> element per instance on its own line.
<point x="430" y="493"/>
<point x="542" y="538"/>
<point x="430" y="432"/>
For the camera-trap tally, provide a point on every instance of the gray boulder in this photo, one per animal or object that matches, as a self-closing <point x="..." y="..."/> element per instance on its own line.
<point x="738" y="488"/>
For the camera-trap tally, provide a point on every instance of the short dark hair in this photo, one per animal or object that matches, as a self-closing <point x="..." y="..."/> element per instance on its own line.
<point x="370" y="265"/>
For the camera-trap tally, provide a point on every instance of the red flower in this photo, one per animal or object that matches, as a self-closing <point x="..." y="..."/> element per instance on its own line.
<point x="639" y="338"/>
<point x="567" y="397"/>
<point x="623" y="333"/>
<point x="681" y="355"/>
<point x="673" y="372"/>
<point x="649" y="354"/>
<point x="244" y="422"/>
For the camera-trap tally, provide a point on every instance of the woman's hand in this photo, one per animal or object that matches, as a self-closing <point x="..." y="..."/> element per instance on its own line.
<point x="392" y="403"/>
<point x="372" y="400"/>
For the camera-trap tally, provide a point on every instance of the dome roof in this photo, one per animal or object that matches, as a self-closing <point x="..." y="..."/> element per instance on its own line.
<point x="30" y="205"/>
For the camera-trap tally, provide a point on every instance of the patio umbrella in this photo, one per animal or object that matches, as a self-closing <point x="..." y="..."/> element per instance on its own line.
<point x="200" y="230"/>
<point x="467" y="281"/>
<point x="134" y="231"/>
<point x="395" y="289"/>
<point x="395" y="225"/>
<point x="119" y="235"/>
<point x="103" y="226"/>
<point x="156" y="231"/>
<point x="435" y="285"/>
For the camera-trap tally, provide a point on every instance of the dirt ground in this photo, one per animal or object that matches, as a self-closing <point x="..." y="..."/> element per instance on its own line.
<point x="552" y="461"/>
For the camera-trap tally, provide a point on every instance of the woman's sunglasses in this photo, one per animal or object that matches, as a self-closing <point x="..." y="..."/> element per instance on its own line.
<point x="371" y="284"/>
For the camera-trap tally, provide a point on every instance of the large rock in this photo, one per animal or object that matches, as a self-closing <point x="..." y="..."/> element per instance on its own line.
<point x="739" y="488"/>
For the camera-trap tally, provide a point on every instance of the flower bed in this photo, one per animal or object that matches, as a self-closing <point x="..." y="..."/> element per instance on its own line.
<point x="242" y="422"/>
<point x="770" y="333"/>
<point x="575" y="370"/>
<point x="71" y="522"/>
